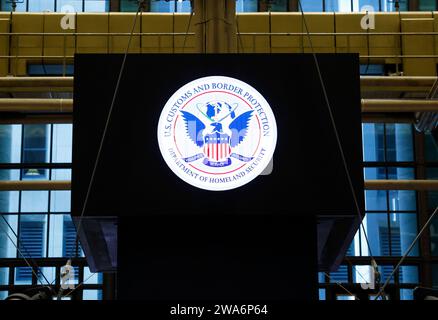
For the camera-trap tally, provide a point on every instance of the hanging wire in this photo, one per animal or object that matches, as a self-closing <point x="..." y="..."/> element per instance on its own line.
<point x="341" y="286"/>
<point x="338" y="140"/>
<point x="108" y="118"/>
<point x="188" y="27"/>
<point x="21" y="253"/>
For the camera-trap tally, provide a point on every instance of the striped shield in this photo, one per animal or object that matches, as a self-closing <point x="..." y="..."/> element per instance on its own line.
<point x="217" y="146"/>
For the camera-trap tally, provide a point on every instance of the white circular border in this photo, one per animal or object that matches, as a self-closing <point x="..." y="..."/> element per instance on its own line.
<point x="165" y="143"/>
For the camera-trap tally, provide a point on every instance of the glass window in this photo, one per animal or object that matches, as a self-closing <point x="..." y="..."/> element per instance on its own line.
<point x="431" y="147"/>
<point x="321" y="294"/>
<point x="373" y="142"/>
<point x="69" y="5"/>
<point x="406" y="294"/>
<point x="435" y="276"/>
<point x="169" y="6"/>
<point x="8" y="241"/>
<point x="96" y="5"/>
<point x="91" y="277"/>
<point x="92" y="295"/>
<point x="4" y="276"/>
<point x="36" y="143"/>
<point x="403" y="233"/>
<point x="9" y="199"/>
<point x="60" y="201"/>
<point x="372" y="69"/>
<point x="432" y="196"/>
<point x="41" y="5"/>
<point x="399" y="142"/>
<point x="363" y="5"/>
<point x="279" y="6"/>
<point x="34" y="201"/>
<point x="7" y="6"/>
<point x="246" y="6"/>
<point x="385" y="271"/>
<point x="375" y="200"/>
<point x="50" y="69"/>
<point x="62" y="143"/>
<point x="10" y="143"/>
<point x="427" y="5"/>
<point x="128" y="5"/>
<point x="434" y="236"/>
<point x="408" y="274"/>
<point x="339" y="276"/>
<point x="61" y="174"/>
<point x="33" y="235"/>
<point x="311" y="5"/>
<point x="402" y="200"/>
<point x="377" y="229"/>
<point x="345" y="297"/>
<point x="338" y="5"/>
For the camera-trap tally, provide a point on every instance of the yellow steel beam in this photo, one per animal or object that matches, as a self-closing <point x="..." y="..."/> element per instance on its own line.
<point x="368" y="83"/>
<point x="369" y="185"/>
<point x="397" y="105"/>
<point x="32" y="84"/>
<point x="66" y="105"/>
<point x="36" y="105"/>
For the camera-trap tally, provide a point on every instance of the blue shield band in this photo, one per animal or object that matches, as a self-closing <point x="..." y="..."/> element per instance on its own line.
<point x="240" y="157"/>
<point x="215" y="164"/>
<point x="194" y="158"/>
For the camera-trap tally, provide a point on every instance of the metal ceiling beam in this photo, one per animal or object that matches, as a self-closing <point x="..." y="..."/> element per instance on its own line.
<point x="36" y="105"/>
<point x="418" y="185"/>
<point x="65" y="84"/>
<point x="36" y="84"/>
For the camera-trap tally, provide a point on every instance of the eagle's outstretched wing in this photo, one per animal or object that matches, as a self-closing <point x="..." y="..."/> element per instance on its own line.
<point x="239" y="128"/>
<point x="194" y="128"/>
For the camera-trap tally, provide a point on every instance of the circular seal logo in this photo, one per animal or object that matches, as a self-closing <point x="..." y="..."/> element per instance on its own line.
<point x="217" y="133"/>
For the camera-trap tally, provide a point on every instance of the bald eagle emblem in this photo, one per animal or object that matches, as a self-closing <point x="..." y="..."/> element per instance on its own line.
<point x="215" y="139"/>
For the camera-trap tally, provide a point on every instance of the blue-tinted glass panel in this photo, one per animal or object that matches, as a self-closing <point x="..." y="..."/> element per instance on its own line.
<point x="339" y="276"/>
<point x="4" y="276"/>
<point x="10" y="143"/>
<point x="403" y="233"/>
<point x="128" y="5"/>
<point x="62" y="143"/>
<point x="432" y="196"/>
<point x="311" y="5"/>
<point x="279" y="6"/>
<point x="33" y="235"/>
<point x="69" y="5"/>
<point x="321" y="277"/>
<point x="61" y="174"/>
<point x="96" y="5"/>
<point x="41" y="5"/>
<point x="375" y="200"/>
<point x="406" y="294"/>
<point x="246" y="6"/>
<point x="60" y="201"/>
<point x="408" y="274"/>
<point x="345" y="297"/>
<point x="92" y="295"/>
<point x="435" y="275"/>
<point x="401" y="173"/>
<point x="3" y="294"/>
<point x="7" y="5"/>
<point x="385" y="271"/>
<point x="373" y="142"/>
<point x="8" y="241"/>
<point x="375" y="173"/>
<point x="434" y="237"/>
<point x="321" y="294"/>
<point x="402" y="200"/>
<point x="431" y="148"/>
<point x="169" y="6"/>
<point x="50" y="69"/>
<point x="427" y="5"/>
<point x="367" y="5"/>
<point x="34" y="201"/>
<point x="337" y="5"/>
<point x="399" y="142"/>
<point x="376" y="226"/>
<point x="92" y="277"/>
<point x="372" y="69"/>
<point x="36" y="143"/>
<point x="9" y="199"/>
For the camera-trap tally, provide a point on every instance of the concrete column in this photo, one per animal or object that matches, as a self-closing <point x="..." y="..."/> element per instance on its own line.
<point x="215" y="26"/>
